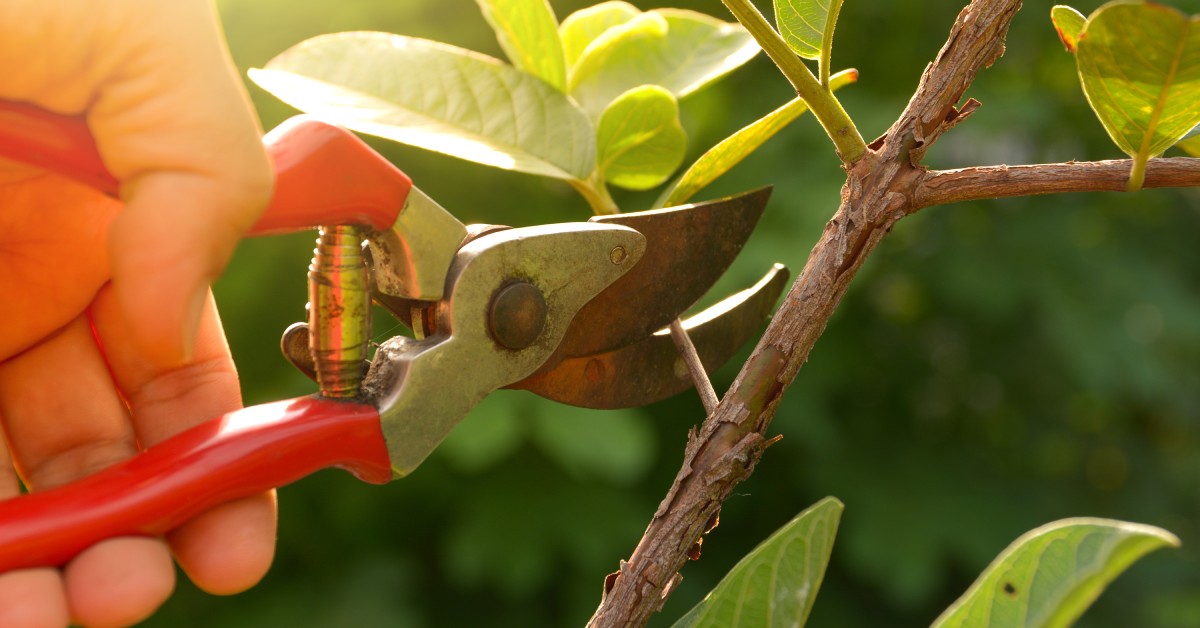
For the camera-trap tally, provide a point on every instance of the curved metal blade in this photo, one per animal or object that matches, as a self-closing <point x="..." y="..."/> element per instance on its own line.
<point x="687" y="249"/>
<point x="651" y="370"/>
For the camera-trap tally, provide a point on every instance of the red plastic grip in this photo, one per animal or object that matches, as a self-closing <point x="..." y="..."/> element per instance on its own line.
<point x="236" y="455"/>
<point x="324" y="174"/>
<point x="53" y="142"/>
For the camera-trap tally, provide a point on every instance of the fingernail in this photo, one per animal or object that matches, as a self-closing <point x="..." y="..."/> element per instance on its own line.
<point x="191" y="320"/>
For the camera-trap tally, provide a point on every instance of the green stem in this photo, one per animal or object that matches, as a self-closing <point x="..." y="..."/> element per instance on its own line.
<point x="1137" y="174"/>
<point x="596" y="193"/>
<point x="828" y="110"/>
<point x="823" y="61"/>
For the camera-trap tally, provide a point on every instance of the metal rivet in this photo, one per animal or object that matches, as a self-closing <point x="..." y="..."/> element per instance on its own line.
<point x="517" y="315"/>
<point x="618" y="255"/>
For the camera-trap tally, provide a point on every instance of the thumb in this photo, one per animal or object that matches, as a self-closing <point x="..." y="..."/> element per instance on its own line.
<point x="174" y="124"/>
<point x="171" y="241"/>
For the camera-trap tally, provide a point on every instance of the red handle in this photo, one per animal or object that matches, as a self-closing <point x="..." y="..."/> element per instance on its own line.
<point x="236" y="455"/>
<point x="324" y="174"/>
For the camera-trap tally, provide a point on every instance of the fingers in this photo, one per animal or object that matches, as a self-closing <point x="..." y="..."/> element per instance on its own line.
<point x="61" y="415"/>
<point x="63" y="419"/>
<point x="29" y="598"/>
<point x="229" y="548"/>
<point x="119" y="582"/>
<point x="32" y="598"/>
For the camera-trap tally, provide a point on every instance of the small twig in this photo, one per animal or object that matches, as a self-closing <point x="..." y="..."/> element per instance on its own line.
<point x="687" y="350"/>
<point x="940" y="187"/>
<point x="824" y="105"/>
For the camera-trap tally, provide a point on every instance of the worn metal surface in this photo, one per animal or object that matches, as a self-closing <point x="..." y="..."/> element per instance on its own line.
<point x="410" y="259"/>
<point x="423" y="388"/>
<point x="689" y="248"/>
<point x="294" y="345"/>
<point x="651" y="370"/>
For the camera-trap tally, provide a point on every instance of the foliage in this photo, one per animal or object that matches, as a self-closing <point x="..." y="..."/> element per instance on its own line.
<point x="1140" y="67"/>
<point x="1027" y="360"/>
<point x="590" y="101"/>
<point x="1050" y="576"/>
<point x="777" y="583"/>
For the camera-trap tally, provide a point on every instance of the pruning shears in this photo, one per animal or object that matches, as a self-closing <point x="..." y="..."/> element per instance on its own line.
<point x="574" y="312"/>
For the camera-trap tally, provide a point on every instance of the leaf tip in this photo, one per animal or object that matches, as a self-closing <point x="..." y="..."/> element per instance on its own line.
<point x="1069" y="25"/>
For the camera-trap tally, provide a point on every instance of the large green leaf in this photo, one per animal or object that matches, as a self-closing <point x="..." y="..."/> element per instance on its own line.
<point x="1069" y="24"/>
<point x="677" y="49"/>
<point x="437" y="97"/>
<point x="1050" y="575"/>
<point x="807" y="25"/>
<point x="582" y="27"/>
<point x="776" y="584"/>
<point x="1140" y="68"/>
<point x="730" y="151"/>
<point x="528" y="32"/>
<point x="639" y="140"/>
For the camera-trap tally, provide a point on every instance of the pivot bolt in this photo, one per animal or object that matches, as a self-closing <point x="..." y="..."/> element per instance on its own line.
<point x="517" y="315"/>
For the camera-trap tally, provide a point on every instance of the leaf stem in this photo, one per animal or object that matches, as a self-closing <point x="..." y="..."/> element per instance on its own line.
<point x="829" y="112"/>
<point x="1137" y="174"/>
<point x="595" y="192"/>
<point x="823" y="62"/>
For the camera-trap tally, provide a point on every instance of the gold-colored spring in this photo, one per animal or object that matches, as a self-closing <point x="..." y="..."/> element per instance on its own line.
<point x="339" y="311"/>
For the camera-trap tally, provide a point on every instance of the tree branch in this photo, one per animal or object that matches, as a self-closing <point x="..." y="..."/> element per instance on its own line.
<point x="940" y="187"/>
<point x="878" y="192"/>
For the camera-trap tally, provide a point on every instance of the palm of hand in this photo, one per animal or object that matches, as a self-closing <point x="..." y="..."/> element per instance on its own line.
<point x="68" y="409"/>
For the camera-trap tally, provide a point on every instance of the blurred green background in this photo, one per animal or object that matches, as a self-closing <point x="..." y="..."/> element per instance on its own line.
<point x="995" y="366"/>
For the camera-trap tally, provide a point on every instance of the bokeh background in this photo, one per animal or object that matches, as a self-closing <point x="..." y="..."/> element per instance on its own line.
<point x="996" y="366"/>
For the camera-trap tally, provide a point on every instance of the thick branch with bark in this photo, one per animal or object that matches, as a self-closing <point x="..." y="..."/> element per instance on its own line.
<point x="887" y="184"/>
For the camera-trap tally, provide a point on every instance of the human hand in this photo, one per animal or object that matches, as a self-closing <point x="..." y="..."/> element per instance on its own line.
<point x="110" y="338"/>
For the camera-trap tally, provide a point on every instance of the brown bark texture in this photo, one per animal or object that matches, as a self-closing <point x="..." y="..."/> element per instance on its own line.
<point x="882" y="187"/>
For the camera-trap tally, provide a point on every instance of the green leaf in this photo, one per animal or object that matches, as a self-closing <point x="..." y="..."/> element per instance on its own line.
<point x="1050" y="575"/>
<point x="639" y="140"/>
<point x="680" y="50"/>
<point x="776" y="583"/>
<point x="584" y="26"/>
<point x="1140" y="68"/>
<point x="437" y="97"/>
<point x="528" y="32"/>
<point x="1069" y="23"/>
<point x="807" y="25"/>
<point x="719" y="159"/>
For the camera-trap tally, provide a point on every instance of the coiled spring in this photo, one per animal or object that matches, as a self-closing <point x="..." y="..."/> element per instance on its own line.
<point x="339" y="316"/>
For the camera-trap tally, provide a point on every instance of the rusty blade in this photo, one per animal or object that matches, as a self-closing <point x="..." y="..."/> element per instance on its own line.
<point x="687" y="249"/>
<point x="651" y="370"/>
